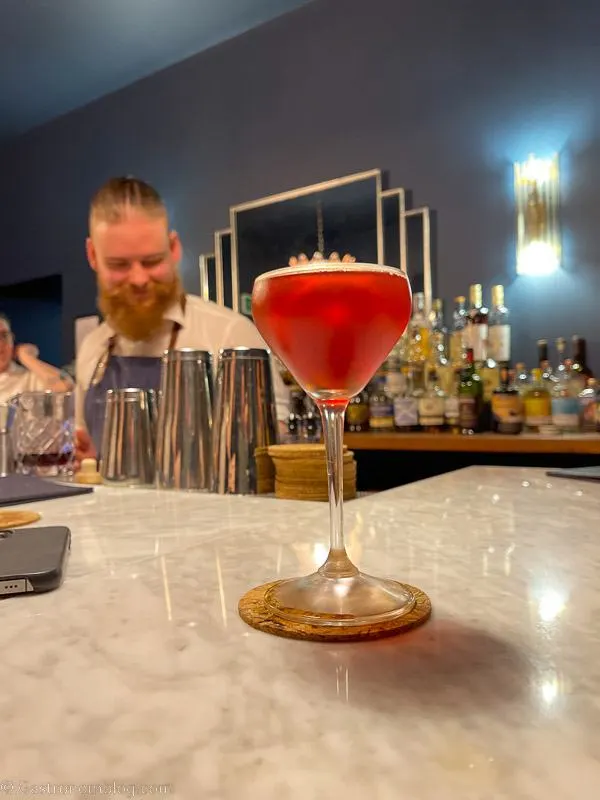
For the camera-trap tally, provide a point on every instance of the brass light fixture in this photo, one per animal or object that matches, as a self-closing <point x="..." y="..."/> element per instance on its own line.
<point x="537" y="198"/>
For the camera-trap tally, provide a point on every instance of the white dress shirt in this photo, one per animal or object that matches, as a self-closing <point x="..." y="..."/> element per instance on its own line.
<point x="16" y="380"/>
<point x="204" y="326"/>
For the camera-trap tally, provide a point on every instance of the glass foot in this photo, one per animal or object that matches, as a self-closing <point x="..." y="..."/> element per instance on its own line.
<point x="357" y="599"/>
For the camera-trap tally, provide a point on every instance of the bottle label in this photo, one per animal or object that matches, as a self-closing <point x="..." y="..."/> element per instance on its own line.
<point x="382" y="416"/>
<point x="477" y="339"/>
<point x="507" y="408"/>
<point x="499" y="342"/>
<point x="491" y="381"/>
<point x="431" y="410"/>
<point x="467" y="413"/>
<point x="565" y="412"/>
<point x="538" y="411"/>
<point x="357" y="413"/>
<point x="381" y="423"/>
<point x="405" y="412"/>
<point x="451" y="410"/>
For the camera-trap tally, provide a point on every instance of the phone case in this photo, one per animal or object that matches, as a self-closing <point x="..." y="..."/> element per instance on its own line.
<point x="33" y="559"/>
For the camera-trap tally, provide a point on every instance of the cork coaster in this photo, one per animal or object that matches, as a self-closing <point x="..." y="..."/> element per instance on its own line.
<point x="16" y="519"/>
<point x="254" y="612"/>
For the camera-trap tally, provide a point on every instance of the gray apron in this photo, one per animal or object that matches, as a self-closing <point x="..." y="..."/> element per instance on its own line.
<point x="119" y="372"/>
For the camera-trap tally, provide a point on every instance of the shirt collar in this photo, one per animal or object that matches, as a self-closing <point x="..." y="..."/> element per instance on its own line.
<point x="175" y="313"/>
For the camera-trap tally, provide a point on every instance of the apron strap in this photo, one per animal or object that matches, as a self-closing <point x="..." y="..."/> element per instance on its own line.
<point x="100" y="367"/>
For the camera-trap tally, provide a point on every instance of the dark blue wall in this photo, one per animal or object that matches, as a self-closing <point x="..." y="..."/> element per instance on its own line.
<point x="443" y="93"/>
<point x="35" y="312"/>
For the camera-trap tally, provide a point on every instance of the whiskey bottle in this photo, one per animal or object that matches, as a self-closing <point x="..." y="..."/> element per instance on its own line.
<point x="432" y="406"/>
<point x="470" y="397"/>
<point x="507" y="407"/>
<point x="537" y="404"/>
<point x="381" y="409"/>
<point x="457" y="335"/>
<point x="438" y="333"/>
<point x="542" y="348"/>
<point x="451" y="407"/>
<point x="499" y="329"/>
<point x="580" y="369"/>
<point x="477" y="325"/>
<point x="296" y="415"/>
<point x="357" y="413"/>
<point x="406" y="415"/>
<point x="561" y="353"/>
<point x="587" y="401"/>
<point x="521" y="378"/>
<point x="566" y="407"/>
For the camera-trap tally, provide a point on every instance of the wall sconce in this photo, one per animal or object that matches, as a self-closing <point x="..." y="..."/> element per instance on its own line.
<point x="537" y="197"/>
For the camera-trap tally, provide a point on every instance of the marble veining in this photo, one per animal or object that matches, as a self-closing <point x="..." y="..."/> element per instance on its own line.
<point x="139" y="670"/>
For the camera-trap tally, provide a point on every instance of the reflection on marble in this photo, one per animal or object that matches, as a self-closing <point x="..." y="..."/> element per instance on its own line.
<point x="139" y="669"/>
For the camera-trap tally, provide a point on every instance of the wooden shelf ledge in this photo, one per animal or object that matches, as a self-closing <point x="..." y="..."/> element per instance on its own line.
<point x="478" y="443"/>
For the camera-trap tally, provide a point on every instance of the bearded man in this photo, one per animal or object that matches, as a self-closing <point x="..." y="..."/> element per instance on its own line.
<point x="135" y="256"/>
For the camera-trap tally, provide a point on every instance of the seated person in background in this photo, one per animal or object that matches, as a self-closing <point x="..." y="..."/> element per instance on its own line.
<point x="135" y="256"/>
<point x="33" y="375"/>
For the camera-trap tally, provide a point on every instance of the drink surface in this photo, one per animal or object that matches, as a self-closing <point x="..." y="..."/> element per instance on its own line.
<point x="332" y="325"/>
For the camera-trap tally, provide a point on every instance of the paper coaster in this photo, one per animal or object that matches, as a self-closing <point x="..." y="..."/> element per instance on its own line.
<point x="16" y="519"/>
<point x="254" y="611"/>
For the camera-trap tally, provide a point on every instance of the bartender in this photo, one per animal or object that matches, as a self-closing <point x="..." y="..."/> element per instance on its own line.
<point x="135" y="256"/>
<point x="31" y="374"/>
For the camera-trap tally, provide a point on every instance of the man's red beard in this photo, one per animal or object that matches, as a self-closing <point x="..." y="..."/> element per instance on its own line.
<point x="136" y="315"/>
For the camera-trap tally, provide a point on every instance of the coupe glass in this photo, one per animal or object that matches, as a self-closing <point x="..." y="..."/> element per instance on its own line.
<point x="332" y="325"/>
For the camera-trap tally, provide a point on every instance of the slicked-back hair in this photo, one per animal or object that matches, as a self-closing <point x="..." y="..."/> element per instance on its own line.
<point x="119" y="195"/>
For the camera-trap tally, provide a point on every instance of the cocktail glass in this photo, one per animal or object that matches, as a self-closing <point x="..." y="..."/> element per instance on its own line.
<point x="332" y="325"/>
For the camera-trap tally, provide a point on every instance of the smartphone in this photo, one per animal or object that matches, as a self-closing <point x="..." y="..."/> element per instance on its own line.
<point x="33" y="559"/>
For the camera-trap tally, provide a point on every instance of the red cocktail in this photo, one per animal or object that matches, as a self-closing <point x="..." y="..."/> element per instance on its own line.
<point x="332" y="325"/>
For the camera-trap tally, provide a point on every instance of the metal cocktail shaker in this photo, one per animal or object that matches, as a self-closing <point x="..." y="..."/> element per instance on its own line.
<point x="184" y="433"/>
<point x="245" y="418"/>
<point x="128" y="440"/>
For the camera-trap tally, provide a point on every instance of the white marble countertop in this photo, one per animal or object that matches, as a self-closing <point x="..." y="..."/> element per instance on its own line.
<point x="139" y="672"/>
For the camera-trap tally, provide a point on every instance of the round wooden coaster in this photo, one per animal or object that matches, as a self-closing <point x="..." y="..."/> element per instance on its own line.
<point x="254" y="611"/>
<point x="16" y="519"/>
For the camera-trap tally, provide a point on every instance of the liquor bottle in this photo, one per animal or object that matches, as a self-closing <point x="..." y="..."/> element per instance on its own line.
<point x="438" y="332"/>
<point x="542" y="346"/>
<point x="432" y="405"/>
<point x="457" y="336"/>
<point x="476" y="331"/>
<point x="418" y="331"/>
<point x="581" y="371"/>
<point x="566" y="407"/>
<point x="311" y="422"/>
<point x="296" y="415"/>
<point x="451" y="407"/>
<point x="381" y="409"/>
<point x="507" y="407"/>
<point x="537" y="404"/>
<point x="521" y="378"/>
<point x="588" y="398"/>
<point x="470" y="397"/>
<point x="547" y="374"/>
<point x="499" y="329"/>
<point x="357" y="413"/>
<point x="392" y="370"/>
<point x="406" y="415"/>
<point x="561" y="355"/>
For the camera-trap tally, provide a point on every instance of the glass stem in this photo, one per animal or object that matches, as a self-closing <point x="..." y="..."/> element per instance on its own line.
<point x="338" y="565"/>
